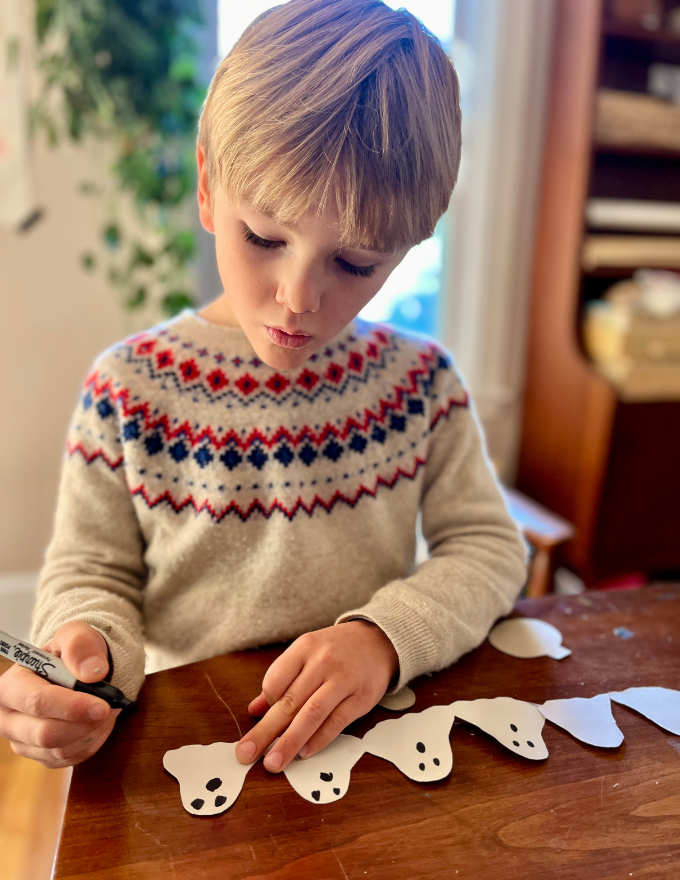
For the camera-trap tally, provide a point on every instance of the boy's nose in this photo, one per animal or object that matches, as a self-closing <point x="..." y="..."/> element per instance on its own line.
<point x="301" y="292"/>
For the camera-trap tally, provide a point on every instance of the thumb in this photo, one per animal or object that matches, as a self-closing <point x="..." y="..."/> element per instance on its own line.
<point x="83" y="649"/>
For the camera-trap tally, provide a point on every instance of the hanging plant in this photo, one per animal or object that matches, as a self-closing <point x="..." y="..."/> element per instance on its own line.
<point x="127" y="72"/>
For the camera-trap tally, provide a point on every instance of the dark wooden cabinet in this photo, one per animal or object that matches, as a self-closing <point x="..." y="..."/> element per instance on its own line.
<point x="610" y="467"/>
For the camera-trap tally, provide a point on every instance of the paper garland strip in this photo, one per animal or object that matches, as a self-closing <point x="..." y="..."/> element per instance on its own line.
<point x="211" y="778"/>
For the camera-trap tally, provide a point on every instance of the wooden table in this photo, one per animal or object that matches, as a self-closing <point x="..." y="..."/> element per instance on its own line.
<point x="583" y="813"/>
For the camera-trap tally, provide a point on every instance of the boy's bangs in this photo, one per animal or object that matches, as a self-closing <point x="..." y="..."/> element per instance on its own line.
<point x="342" y="102"/>
<point x="373" y="213"/>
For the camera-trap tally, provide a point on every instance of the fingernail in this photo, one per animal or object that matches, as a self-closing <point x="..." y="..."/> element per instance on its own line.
<point x="91" y="666"/>
<point x="247" y="750"/>
<point x="273" y="761"/>
<point x="303" y="752"/>
<point x="98" y="713"/>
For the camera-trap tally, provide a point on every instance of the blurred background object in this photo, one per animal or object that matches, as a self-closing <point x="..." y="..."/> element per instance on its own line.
<point x="602" y="405"/>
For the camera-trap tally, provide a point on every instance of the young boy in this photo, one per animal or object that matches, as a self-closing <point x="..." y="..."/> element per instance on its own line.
<point x="252" y="473"/>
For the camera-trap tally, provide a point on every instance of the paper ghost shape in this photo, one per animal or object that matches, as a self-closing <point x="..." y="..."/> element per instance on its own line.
<point x="527" y="637"/>
<point x="324" y="777"/>
<point x="399" y="702"/>
<point x="661" y="705"/>
<point x="515" y="724"/>
<point x="210" y="777"/>
<point x="418" y="744"/>
<point x="589" y="720"/>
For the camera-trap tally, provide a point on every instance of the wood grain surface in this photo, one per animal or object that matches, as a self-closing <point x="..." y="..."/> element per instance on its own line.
<point x="583" y="813"/>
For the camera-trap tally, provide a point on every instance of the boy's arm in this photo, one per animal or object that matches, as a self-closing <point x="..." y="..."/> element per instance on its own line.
<point x="328" y="678"/>
<point x="95" y="571"/>
<point x="477" y="563"/>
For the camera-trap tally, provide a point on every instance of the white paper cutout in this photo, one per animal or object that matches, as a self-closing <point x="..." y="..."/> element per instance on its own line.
<point x="528" y="637"/>
<point x="399" y="702"/>
<point x="661" y="705"/>
<point x="515" y="724"/>
<point x="210" y="777"/>
<point x="324" y="778"/>
<point x="589" y="720"/>
<point x="418" y="744"/>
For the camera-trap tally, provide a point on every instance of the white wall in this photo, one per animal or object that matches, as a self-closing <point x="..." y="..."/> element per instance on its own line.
<point x="54" y="319"/>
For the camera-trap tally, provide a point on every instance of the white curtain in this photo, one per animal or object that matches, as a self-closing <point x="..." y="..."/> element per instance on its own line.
<point x="502" y="51"/>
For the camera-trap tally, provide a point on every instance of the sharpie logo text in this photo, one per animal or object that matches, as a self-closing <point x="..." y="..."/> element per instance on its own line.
<point x="31" y="661"/>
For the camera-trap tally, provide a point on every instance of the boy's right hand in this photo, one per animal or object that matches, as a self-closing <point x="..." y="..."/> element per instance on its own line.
<point x="52" y="724"/>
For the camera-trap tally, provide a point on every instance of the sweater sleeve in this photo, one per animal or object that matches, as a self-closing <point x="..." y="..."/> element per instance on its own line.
<point x="477" y="562"/>
<point x="94" y="569"/>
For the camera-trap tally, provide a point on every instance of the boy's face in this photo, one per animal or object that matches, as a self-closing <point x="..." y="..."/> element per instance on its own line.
<point x="290" y="288"/>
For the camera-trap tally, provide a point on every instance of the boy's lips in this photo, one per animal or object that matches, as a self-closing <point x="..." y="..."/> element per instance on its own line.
<point x="287" y="340"/>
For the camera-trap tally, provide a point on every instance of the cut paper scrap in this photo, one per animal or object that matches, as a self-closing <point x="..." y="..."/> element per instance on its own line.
<point x="417" y="744"/>
<point x="515" y="724"/>
<point x="589" y="720"/>
<point x="210" y="777"/>
<point x="324" y="778"/>
<point x="528" y="637"/>
<point x="661" y="705"/>
<point x="399" y="702"/>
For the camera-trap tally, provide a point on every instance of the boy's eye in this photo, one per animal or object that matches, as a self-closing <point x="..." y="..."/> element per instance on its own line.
<point x="256" y="240"/>
<point x="267" y="243"/>
<point x="363" y="271"/>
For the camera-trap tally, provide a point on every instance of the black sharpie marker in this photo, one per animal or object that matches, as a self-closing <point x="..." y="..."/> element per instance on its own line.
<point x="51" y="668"/>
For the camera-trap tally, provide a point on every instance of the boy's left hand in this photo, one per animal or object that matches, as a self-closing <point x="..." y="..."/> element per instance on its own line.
<point x="323" y="682"/>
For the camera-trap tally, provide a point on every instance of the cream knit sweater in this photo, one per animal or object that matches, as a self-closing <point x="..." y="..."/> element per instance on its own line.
<point x="210" y="503"/>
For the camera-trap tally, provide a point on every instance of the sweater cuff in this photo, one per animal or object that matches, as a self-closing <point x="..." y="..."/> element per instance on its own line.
<point x="409" y="634"/>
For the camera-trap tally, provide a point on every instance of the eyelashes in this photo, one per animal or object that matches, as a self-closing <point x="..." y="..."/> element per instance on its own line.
<point x="265" y="243"/>
<point x="361" y="271"/>
<point x="269" y="244"/>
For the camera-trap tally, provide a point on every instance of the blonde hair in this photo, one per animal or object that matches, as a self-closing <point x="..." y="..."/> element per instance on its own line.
<point x="342" y="99"/>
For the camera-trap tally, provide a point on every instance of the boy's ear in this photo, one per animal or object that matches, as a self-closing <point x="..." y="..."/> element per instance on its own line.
<point x="204" y="205"/>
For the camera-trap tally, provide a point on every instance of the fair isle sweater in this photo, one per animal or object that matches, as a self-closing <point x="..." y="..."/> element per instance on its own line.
<point x="210" y="503"/>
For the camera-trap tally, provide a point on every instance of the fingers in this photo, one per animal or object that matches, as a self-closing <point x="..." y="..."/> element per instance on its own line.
<point x="343" y="715"/>
<point x="323" y="682"/>
<point x="284" y="670"/>
<point x="71" y="753"/>
<point x="285" y="690"/>
<point x="295" y="718"/>
<point x="83" y="649"/>
<point x="259" y="706"/>
<point x="23" y="691"/>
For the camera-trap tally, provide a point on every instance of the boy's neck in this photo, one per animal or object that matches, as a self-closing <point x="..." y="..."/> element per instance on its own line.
<point x="219" y="312"/>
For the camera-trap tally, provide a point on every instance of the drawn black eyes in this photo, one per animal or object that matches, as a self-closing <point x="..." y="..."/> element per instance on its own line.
<point x="420" y="747"/>
<point x="325" y="777"/>
<point x="513" y="727"/>
<point x="212" y="785"/>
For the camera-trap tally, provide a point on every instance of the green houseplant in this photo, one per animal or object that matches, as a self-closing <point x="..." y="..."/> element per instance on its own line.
<point x="127" y="72"/>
